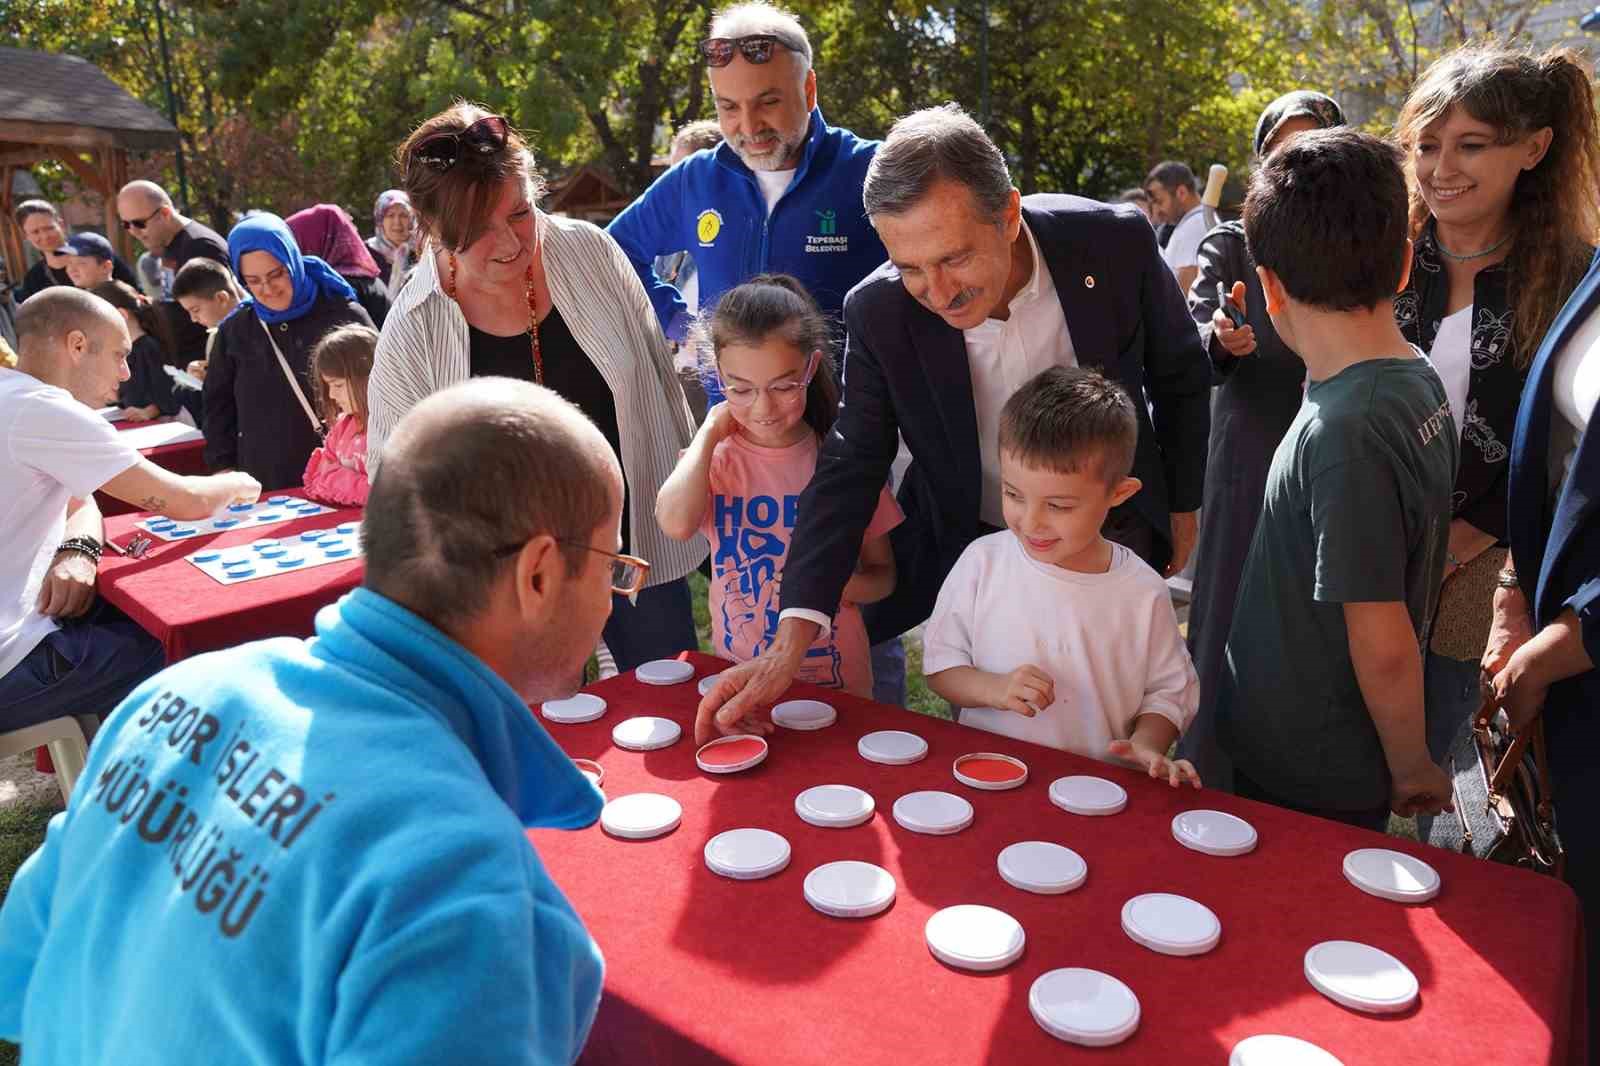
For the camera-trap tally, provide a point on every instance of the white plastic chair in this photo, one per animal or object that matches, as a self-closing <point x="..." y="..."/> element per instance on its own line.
<point x="68" y="741"/>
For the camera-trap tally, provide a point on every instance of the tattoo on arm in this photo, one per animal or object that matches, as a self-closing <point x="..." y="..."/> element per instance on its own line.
<point x="153" y="503"/>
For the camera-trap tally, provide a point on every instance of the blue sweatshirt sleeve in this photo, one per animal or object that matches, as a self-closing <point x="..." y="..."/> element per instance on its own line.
<point x="651" y="226"/>
<point x="24" y="920"/>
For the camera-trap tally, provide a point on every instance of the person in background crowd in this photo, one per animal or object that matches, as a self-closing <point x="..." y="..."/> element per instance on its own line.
<point x="1503" y="157"/>
<point x="1260" y="385"/>
<point x="62" y="650"/>
<point x="509" y="291"/>
<point x="326" y="231"/>
<point x="150" y="391"/>
<point x="984" y="289"/>
<point x="361" y="800"/>
<point x="259" y="417"/>
<point x="90" y="259"/>
<point x="1321" y="702"/>
<point x="677" y="268"/>
<point x="41" y="225"/>
<point x="208" y="293"/>
<point x="396" y="240"/>
<point x="147" y="212"/>
<point x="1175" y="200"/>
<point x="341" y="365"/>
<point x="781" y="194"/>
<point x="1140" y="199"/>
<point x="155" y="280"/>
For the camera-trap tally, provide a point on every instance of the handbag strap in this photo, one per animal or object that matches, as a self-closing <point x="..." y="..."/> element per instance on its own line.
<point x="294" y="382"/>
<point x="1503" y="771"/>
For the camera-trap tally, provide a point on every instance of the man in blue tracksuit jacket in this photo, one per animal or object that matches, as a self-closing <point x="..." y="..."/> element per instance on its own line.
<point x="781" y="194"/>
<point x="314" y="851"/>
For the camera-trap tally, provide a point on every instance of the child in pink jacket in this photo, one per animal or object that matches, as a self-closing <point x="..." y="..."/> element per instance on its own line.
<point x="340" y="366"/>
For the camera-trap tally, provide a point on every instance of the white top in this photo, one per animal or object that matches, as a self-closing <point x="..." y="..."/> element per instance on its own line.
<point x="55" y="450"/>
<point x="424" y="347"/>
<point x="774" y="183"/>
<point x="1451" y="356"/>
<point x="1109" y="641"/>
<point x="1575" y="390"/>
<point x="1183" y="247"/>
<point x="1004" y="355"/>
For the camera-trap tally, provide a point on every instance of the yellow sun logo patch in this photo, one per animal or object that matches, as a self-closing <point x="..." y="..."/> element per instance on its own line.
<point x="708" y="225"/>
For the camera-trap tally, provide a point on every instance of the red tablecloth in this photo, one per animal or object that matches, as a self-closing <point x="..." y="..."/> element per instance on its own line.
<point x="190" y="613"/>
<point x="700" y="969"/>
<point x="189" y="457"/>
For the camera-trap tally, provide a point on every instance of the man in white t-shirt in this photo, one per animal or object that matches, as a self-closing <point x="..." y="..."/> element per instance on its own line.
<point x="1175" y="199"/>
<point x="61" y="651"/>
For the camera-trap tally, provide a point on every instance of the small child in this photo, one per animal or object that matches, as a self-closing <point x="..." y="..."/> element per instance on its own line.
<point x="341" y="363"/>
<point x="150" y="391"/>
<point x="739" y="482"/>
<point x="1046" y="631"/>
<point x="1320" y="705"/>
<point x="206" y="291"/>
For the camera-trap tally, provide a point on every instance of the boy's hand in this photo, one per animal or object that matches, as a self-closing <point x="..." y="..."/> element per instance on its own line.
<point x="1425" y="789"/>
<point x="1156" y="763"/>
<point x="1024" y="690"/>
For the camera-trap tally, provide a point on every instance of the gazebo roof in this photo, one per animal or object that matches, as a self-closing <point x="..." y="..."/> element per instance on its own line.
<point x="50" y="99"/>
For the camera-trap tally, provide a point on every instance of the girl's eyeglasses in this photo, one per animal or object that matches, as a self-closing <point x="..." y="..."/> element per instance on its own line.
<point x="786" y="394"/>
<point x="627" y="571"/>
<point x="442" y="151"/>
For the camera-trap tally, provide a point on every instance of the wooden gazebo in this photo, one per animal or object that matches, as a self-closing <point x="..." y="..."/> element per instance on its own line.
<point x="65" y="108"/>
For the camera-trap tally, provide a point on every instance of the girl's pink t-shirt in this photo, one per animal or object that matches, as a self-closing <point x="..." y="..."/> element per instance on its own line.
<point x="755" y="499"/>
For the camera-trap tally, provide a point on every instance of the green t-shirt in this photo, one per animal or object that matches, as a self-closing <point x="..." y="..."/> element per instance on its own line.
<point x="1357" y="509"/>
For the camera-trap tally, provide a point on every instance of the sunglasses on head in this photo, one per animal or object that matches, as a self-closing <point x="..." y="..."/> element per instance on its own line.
<point x="755" y="47"/>
<point x="483" y="138"/>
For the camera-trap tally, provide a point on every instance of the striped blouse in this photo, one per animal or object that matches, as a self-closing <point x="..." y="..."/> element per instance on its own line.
<point x="424" y="347"/>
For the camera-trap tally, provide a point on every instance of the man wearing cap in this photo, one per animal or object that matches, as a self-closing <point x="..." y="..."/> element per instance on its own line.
<point x="1260" y="385"/>
<point x="42" y="226"/>
<point x="90" y="259"/>
<point x="782" y="193"/>
<point x="316" y="850"/>
<point x="147" y="212"/>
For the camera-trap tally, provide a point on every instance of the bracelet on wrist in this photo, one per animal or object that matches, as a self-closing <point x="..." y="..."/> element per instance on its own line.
<point x="1507" y="579"/>
<point x="81" y="546"/>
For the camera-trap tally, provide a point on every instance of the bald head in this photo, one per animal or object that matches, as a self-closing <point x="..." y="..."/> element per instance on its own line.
<point x="73" y="339"/>
<point x="147" y="212"/>
<point x="146" y="195"/>
<point x="47" y="318"/>
<point x="473" y="472"/>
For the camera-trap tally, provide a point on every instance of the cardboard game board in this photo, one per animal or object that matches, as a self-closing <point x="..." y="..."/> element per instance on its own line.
<point x="234" y="516"/>
<point x="270" y="556"/>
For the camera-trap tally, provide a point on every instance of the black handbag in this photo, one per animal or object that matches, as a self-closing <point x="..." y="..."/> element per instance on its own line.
<point x="1501" y="790"/>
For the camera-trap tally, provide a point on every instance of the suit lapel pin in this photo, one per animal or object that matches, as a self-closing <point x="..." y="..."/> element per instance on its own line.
<point x="1088" y="281"/>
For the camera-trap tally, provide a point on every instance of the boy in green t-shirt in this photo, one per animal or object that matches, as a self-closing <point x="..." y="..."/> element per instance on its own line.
<point x="1321" y="698"/>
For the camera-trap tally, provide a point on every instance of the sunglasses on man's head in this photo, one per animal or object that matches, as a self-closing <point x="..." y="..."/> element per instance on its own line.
<point x="755" y="47"/>
<point x="483" y="138"/>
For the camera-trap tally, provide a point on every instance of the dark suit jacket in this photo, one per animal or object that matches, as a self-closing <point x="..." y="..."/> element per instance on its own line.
<point x="1557" y="545"/>
<point x="906" y="372"/>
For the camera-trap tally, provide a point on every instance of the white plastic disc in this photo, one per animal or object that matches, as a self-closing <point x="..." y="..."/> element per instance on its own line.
<point x="1272" y="1050"/>
<point x="1042" y="867"/>
<point x="584" y="707"/>
<point x="834" y="806"/>
<point x="1391" y="875"/>
<point x="1092" y="796"/>
<point x="592" y="770"/>
<point x="804" y="714"/>
<point x="850" y="889"/>
<point x="706" y="682"/>
<point x="646" y="734"/>
<point x="892" y="747"/>
<point x="729" y="755"/>
<point x="990" y="771"/>
<point x="935" y="813"/>
<point x="1361" y="977"/>
<point x="972" y="937"/>
<point x="1084" y="1007"/>
<point x="1214" y="833"/>
<point x="641" y="816"/>
<point x="1172" y="925"/>
<point x="747" y="854"/>
<point x="664" y="672"/>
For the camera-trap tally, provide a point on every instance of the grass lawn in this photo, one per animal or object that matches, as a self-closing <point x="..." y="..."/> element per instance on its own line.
<point x="21" y="830"/>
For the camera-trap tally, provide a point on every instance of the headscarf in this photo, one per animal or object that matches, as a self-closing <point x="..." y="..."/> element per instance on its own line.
<point x="387" y="199"/>
<point x="325" y="230"/>
<point x="1302" y="103"/>
<point x="312" y="278"/>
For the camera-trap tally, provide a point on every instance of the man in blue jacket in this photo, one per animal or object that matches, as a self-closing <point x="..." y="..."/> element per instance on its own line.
<point x="314" y="851"/>
<point x="781" y="193"/>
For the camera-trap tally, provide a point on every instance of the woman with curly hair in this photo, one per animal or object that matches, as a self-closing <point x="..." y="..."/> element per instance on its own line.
<point x="1504" y="166"/>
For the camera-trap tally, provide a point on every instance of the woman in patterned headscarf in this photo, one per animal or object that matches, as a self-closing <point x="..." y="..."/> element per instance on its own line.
<point x="395" y="238"/>
<point x="1504" y="166"/>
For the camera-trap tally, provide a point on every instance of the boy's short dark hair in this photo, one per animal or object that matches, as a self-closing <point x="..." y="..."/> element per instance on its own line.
<point x="1071" y="420"/>
<point x="202" y="278"/>
<point x="1327" y="213"/>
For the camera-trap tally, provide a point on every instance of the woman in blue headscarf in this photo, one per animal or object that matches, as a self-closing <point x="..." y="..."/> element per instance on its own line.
<point x="260" y="414"/>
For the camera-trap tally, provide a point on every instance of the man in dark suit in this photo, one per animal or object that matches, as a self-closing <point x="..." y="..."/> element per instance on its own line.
<point x="983" y="289"/>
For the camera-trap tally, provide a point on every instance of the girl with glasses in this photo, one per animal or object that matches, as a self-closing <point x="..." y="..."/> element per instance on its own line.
<point x="739" y="482"/>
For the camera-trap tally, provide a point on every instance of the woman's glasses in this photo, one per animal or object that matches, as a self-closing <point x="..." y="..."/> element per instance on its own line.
<point x="756" y="48"/>
<point x="742" y="395"/>
<point x="483" y="138"/>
